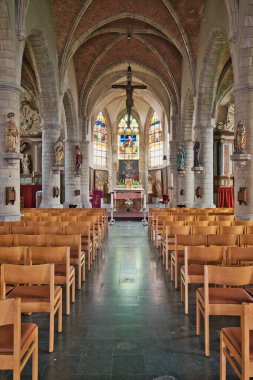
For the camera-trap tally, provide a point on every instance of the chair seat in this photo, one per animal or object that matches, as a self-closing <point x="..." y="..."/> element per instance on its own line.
<point x="6" y="334"/>
<point x="33" y="293"/>
<point x="226" y="295"/>
<point x="195" y="269"/>
<point x="234" y="335"/>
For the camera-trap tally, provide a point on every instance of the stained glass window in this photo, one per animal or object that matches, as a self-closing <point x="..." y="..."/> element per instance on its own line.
<point x="100" y="141"/>
<point x="155" y="142"/>
<point x="128" y="139"/>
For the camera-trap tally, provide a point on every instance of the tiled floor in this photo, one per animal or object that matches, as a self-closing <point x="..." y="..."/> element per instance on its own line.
<point x="128" y="322"/>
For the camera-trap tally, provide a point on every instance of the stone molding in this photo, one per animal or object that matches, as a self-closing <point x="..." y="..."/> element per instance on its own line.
<point x="11" y="87"/>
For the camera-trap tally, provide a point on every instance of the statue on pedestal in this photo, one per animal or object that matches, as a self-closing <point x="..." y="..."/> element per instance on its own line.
<point x="196" y="149"/>
<point x="12" y="134"/>
<point x="26" y="164"/>
<point x="181" y="158"/>
<point x="240" y="138"/>
<point x="78" y="158"/>
<point x="59" y="151"/>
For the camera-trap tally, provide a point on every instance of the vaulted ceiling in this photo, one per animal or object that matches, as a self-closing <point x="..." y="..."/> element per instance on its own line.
<point x="154" y="36"/>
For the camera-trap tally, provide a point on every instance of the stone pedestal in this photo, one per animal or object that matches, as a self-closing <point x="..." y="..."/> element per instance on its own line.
<point x="72" y="178"/>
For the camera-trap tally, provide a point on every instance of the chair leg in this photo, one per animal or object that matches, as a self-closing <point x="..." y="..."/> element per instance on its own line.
<point x="176" y="274"/>
<point x="16" y="374"/>
<point x="83" y="274"/>
<point x="51" y="332"/>
<point x="222" y="358"/>
<point x="207" y="335"/>
<point x="60" y="316"/>
<point x="171" y="268"/>
<point x="197" y="316"/>
<point x="186" y="298"/>
<point x="79" y="276"/>
<point x="73" y="293"/>
<point x="68" y="299"/>
<point x="35" y="358"/>
<point x="167" y="260"/>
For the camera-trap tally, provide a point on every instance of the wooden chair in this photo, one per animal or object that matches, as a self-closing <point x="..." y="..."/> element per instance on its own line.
<point x="201" y="223"/>
<point x="48" y="230"/>
<point x="238" y="230"/>
<point x="64" y="273"/>
<point x="4" y="230"/>
<point x="220" y="223"/>
<point x="159" y="227"/>
<point x="46" y="298"/>
<point x="249" y="229"/>
<point x="19" y="341"/>
<point x="14" y="255"/>
<point x="236" y="346"/>
<point x="86" y="243"/>
<point x="246" y="240"/>
<point x="243" y="223"/>
<point x="192" y="272"/>
<point x="228" y="240"/>
<point x="177" y="255"/>
<point x="49" y="219"/>
<point x="31" y="240"/>
<point x="209" y="218"/>
<point x="77" y="257"/>
<point x="186" y="218"/>
<point x="169" y="243"/>
<point x="7" y="240"/>
<point x="230" y="218"/>
<point x="221" y="300"/>
<point x="199" y="230"/>
<point x="25" y="230"/>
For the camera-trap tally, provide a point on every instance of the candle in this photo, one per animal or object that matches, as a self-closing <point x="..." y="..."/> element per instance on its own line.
<point x="171" y="179"/>
<point x="144" y="201"/>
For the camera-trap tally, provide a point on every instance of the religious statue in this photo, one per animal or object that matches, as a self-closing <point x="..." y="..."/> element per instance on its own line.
<point x="129" y="92"/>
<point x="79" y="158"/>
<point x="240" y="138"/>
<point x="196" y="149"/>
<point x="59" y="151"/>
<point x="26" y="164"/>
<point x="12" y="134"/>
<point x="181" y="158"/>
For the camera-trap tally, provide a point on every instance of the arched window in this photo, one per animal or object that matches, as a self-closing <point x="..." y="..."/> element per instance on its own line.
<point x="128" y="139"/>
<point x="100" y="141"/>
<point x="155" y="142"/>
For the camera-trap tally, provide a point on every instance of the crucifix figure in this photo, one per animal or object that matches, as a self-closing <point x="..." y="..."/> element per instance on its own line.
<point x="129" y="87"/>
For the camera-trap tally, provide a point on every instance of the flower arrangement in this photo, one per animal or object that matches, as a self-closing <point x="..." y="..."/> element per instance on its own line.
<point x="128" y="204"/>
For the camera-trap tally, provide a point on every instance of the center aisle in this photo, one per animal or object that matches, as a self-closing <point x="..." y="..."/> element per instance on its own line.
<point x="128" y="322"/>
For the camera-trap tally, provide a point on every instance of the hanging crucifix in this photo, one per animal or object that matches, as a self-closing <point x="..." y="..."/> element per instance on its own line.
<point x="129" y="87"/>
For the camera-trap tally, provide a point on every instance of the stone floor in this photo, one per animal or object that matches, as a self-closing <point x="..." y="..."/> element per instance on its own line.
<point x="128" y="322"/>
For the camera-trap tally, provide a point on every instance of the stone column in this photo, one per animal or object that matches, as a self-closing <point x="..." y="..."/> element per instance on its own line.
<point x="85" y="174"/>
<point x="173" y="171"/>
<point x="187" y="182"/>
<point x="205" y="179"/>
<point x="50" y="174"/>
<point x="243" y="177"/>
<point x="9" y="162"/>
<point x="72" y="177"/>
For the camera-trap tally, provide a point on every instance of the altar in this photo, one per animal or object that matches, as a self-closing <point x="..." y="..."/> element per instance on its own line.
<point x="121" y="195"/>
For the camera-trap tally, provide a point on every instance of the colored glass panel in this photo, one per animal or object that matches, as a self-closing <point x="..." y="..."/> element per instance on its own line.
<point x="155" y="142"/>
<point x="128" y="139"/>
<point x="100" y="141"/>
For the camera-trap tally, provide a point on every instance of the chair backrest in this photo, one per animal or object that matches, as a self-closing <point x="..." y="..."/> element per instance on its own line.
<point x="13" y="255"/>
<point x="239" y="255"/>
<point x="230" y="276"/>
<point x="200" y="223"/>
<point x="50" y="255"/>
<point x="48" y="230"/>
<point x="49" y="219"/>
<point x="249" y="229"/>
<point x="174" y="230"/>
<point x="186" y="218"/>
<point x="223" y="230"/>
<point x="230" y="218"/>
<point x="4" y="230"/>
<point x="7" y="240"/>
<point x="31" y="240"/>
<point x="204" y="230"/>
<point x="205" y="255"/>
<point x="246" y="328"/>
<point x="79" y="230"/>
<point x="245" y="240"/>
<point x="69" y="218"/>
<point x="243" y="223"/>
<point x="26" y="230"/>
<point x="190" y="240"/>
<point x="209" y="218"/>
<point x="220" y="223"/>
<point x="10" y="314"/>
<point x="223" y="240"/>
<point x="71" y="241"/>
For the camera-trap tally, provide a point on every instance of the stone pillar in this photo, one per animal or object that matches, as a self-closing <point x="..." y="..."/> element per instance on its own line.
<point x="50" y="174"/>
<point x="85" y="174"/>
<point x="72" y="177"/>
<point x="205" y="179"/>
<point x="173" y="171"/>
<point x="243" y="177"/>
<point x="187" y="181"/>
<point x="9" y="163"/>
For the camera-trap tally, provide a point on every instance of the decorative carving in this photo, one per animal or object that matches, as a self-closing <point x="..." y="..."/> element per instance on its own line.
<point x="59" y="151"/>
<point x="196" y="149"/>
<point x="181" y="158"/>
<point x="199" y="192"/>
<point x="79" y="158"/>
<point x="56" y="192"/>
<point x="12" y="134"/>
<point x="29" y="120"/>
<point x="240" y="138"/>
<point x="242" y="196"/>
